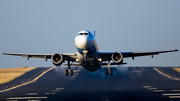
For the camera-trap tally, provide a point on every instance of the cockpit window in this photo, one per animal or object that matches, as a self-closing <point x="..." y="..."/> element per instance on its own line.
<point x="85" y="33"/>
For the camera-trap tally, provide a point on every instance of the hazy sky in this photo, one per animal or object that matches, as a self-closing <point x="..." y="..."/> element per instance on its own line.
<point x="50" y="26"/>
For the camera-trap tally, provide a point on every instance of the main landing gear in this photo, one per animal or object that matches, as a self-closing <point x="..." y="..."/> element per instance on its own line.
<point x="109" y="70"/>
<point x="69" y="71"/>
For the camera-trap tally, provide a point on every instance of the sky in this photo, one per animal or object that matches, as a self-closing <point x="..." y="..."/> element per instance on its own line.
<point x="50" y="26"/>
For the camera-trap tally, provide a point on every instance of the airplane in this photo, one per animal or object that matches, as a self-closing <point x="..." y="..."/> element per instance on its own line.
<point x="88" y="55"/>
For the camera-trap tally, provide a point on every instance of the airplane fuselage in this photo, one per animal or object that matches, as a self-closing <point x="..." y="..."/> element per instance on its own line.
<point x="87" y="51"/>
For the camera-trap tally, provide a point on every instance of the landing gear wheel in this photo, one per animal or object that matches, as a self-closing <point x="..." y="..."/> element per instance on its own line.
<point x="111" y="72"/>
<point x="71" y="72"/>
<point x="67" y="72"/>
<point x="106" y="71"/>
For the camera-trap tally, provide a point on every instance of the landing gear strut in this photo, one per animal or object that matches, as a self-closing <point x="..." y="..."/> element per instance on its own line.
<point x="109" y="70"/>
<point x="69" y="71"/>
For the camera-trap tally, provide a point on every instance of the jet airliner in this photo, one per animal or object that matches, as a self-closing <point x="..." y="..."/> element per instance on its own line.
<point x="88" y="55"/>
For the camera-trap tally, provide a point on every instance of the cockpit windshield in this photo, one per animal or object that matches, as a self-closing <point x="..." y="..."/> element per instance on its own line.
<point x="83" y="34"/>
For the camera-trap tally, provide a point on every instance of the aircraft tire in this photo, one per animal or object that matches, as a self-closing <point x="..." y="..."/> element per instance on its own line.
<point x="71" y="72"/>
<point x="111" y="72"/>
<point x="106" y="71"/>
<point x="67" y="72"/>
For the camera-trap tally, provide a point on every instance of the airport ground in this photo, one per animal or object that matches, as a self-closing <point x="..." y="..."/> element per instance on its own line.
<point x="126" y="84"/>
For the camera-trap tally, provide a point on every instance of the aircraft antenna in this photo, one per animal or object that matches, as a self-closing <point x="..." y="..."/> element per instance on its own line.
<point x="94" y="32"/>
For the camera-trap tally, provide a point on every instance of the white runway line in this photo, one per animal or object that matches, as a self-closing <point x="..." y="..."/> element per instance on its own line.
<point x="174" y="97"/>
<point x="171" y="94"/>
<point x="147" y="86"/>
<point x="151" y="88"/>
<point x="26" y="83"/>
<point x="12" y="100"/>
<point x="18" y="98"/>
<point x="32" y="93"/>
<point x="76" y="72"/>
<point x="158" y="90"/>
<point x="175" y="90"/>
<point x="57" y="90"/>
<point x="167" y="75"/>
<point x="49" y="93"/>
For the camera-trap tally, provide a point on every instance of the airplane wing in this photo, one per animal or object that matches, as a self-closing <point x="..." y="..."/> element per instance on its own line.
<point x="107" y="55"/>
<point x="67" y="56"/>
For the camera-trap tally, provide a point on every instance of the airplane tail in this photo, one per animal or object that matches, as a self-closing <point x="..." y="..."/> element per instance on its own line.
<point x="94" y="32"/>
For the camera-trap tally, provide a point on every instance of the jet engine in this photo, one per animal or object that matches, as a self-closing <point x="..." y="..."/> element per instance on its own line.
<point x="57" y="59"/>
<point x="117" y="58"/>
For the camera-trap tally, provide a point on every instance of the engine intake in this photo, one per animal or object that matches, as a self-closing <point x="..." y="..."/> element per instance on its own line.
<point x="117" y="57"/>
<point x="57" y="59"/>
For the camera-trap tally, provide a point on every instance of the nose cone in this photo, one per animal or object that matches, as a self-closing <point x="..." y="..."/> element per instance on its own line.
<point x="81" y="42"/>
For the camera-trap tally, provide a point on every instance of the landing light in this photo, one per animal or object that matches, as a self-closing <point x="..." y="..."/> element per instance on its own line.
<point x="77" y="60"/>
<point x="99" y="59"/>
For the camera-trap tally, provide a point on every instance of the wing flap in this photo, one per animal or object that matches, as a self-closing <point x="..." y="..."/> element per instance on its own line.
<point x="135" y="54"/>
<point x="106" y="56"/>
<point x="70" y="56"/>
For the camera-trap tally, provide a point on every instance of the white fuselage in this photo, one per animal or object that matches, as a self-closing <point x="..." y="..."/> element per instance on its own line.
<point x="87" y="50"/>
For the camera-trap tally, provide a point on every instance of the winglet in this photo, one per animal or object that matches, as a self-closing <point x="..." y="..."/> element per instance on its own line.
<point x="176" y="50"/>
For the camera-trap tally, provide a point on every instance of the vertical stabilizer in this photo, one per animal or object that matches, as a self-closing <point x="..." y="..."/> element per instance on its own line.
<point x="94" y="33"/>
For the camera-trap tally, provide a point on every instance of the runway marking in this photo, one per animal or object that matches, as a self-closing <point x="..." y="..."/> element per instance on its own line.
<point x="49" y="93"/>
<point x="174" y="97"/>
<point x="175" y="90"/>
<point x="32" y="93"/>
<point x="75" y="73"/>
<point x="26" y="83"/>
<point x="147" y="86"/>
<point x="17" y="98"/>
<point x="171" y="94"/>
<point x="13" y="100"/>
<point x="151" y="88"/>
<point x="158" y="90"/>
<point x="57" y="90"/>
<point x="166" y="75"/>
<point x="77" y="70"/>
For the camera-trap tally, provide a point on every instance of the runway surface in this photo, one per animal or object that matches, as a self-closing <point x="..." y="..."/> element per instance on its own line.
<point x="126" y="84"/>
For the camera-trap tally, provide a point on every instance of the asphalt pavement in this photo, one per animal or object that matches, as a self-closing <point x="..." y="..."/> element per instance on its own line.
<point x="126" y="84"/>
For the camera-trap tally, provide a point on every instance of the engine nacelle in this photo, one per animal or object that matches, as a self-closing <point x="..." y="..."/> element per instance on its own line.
<point x="117" y="58"/>
<point x="57" y="59"/>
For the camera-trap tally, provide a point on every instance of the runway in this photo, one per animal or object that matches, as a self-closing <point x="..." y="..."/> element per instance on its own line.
<point x="126" y="84"/>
